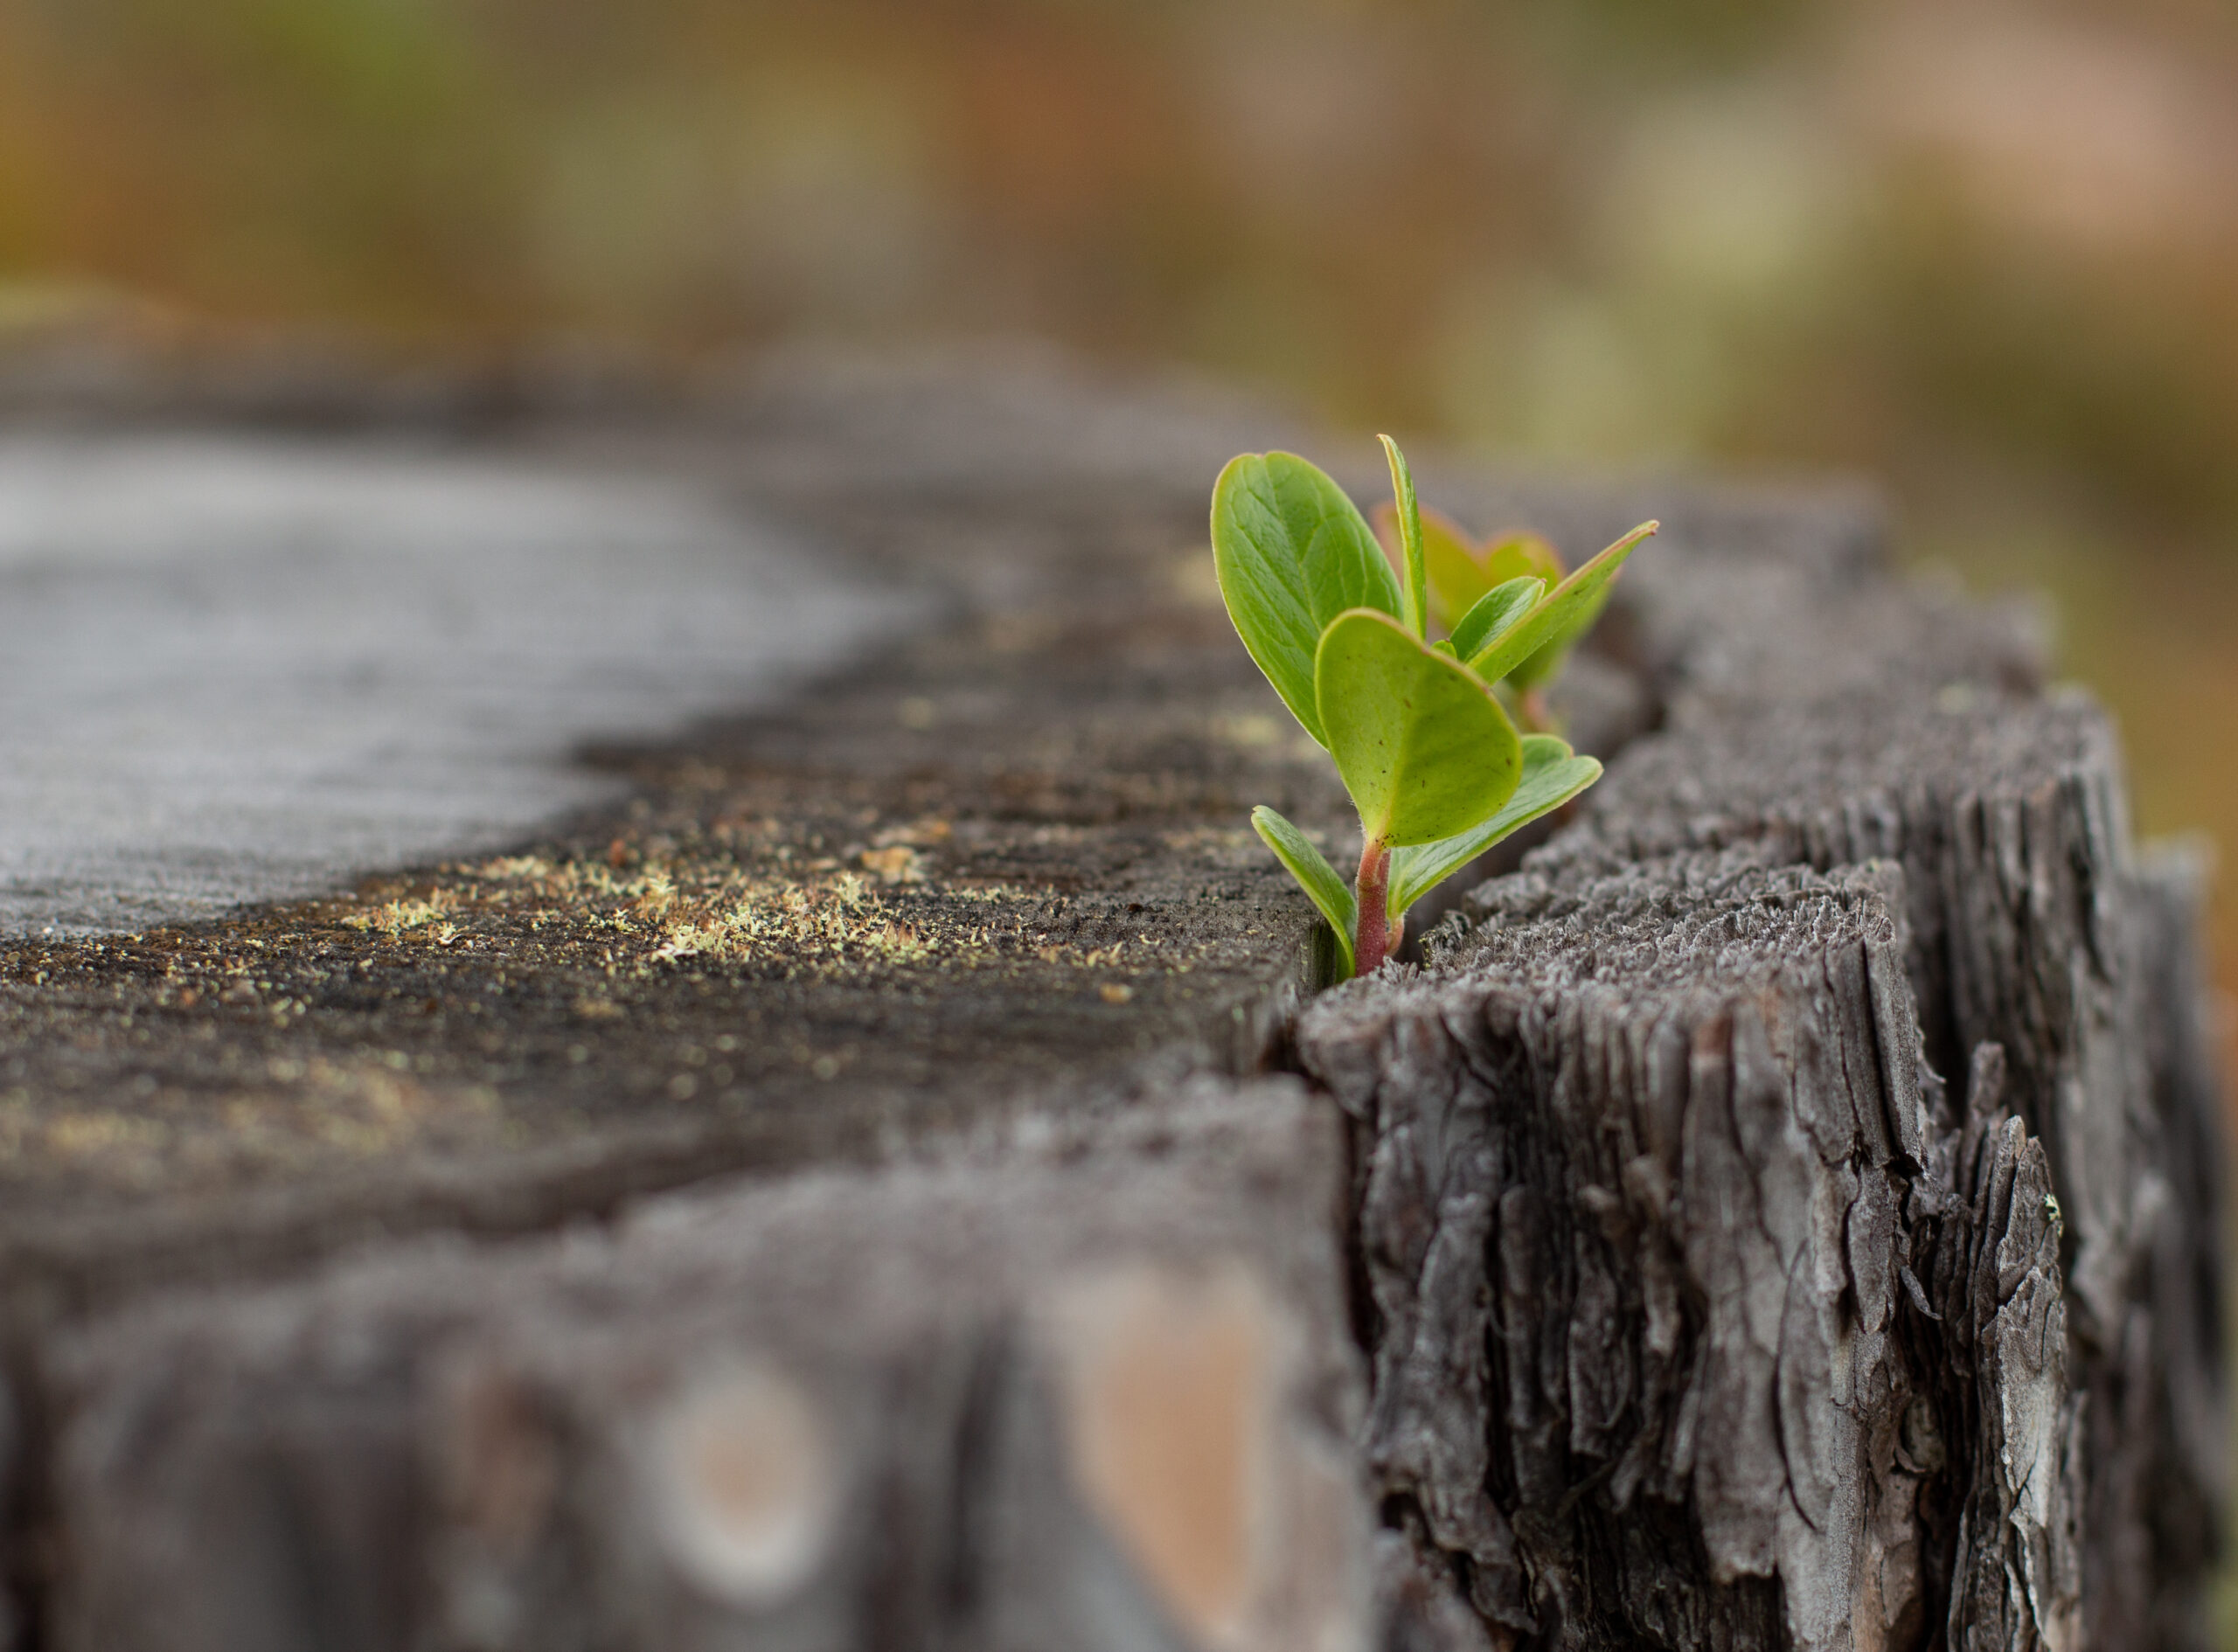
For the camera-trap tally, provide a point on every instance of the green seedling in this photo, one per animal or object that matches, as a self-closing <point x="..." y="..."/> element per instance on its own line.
<point x="1432" y="762"/>
<point x="1466" y="579"/>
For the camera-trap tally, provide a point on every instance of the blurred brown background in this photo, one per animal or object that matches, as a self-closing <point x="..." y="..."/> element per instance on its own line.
<point x="1987" y="253"/>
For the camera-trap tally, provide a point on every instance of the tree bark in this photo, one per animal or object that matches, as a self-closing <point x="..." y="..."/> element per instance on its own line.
<point x="1787" y="1208"/>
<point x="1096" y="1400"/>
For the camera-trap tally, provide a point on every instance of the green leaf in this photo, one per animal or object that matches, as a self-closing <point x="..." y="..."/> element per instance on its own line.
<point x="1458" y="579"/>
<point x="1416" y="613"/>
<point x="1561" y="614"/>
<point x="1552" y="775"/>
<point x="1513" y="554"/>
<point x="1455" y="577"/>
<point x="1292" y="552"/>
<point x="1500" y="608"/>
<point x="1424" y="748"/>
<point x="1328" y="892"/>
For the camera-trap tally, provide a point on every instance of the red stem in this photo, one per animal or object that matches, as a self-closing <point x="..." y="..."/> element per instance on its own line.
<point x="1377" y="937"/>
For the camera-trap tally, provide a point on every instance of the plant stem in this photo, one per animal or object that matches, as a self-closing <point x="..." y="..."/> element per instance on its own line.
<point x="1377" y="936"/>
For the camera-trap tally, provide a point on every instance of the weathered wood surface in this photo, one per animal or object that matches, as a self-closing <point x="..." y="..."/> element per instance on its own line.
<point x="1676" y="1263"/>
<point x="1097" y="1401"/>
<point x="1806" y="1167"/>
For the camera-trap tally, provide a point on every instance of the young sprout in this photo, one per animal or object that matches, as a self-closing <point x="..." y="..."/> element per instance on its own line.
<point x="1423" y="745"/>
<point x="1462" y="574"/>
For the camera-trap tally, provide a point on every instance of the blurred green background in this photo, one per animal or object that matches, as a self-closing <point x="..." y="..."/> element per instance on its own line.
<point x="1986" y="254"/>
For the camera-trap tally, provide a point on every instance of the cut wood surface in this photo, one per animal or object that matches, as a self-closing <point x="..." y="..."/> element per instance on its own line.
<point x="842" y="1196"/>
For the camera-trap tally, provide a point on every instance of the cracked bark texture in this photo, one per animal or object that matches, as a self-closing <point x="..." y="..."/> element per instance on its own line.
<point x="1787" y="1207"/>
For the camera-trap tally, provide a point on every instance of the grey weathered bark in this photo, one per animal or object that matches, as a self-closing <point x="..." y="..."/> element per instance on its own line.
<point x="1045" y="1400"/>
<point x="1782" y="1213"/>
<point x="1787" y="1206"/>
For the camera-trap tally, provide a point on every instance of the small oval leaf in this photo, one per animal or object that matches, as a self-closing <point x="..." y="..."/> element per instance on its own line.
<point x="1424" y="748"/>
<point x="1552" y="775"/>
<point x="1514" y="555"/>
<point x="1330" y="894"/>
<point x="1292" y="551"/>
<point x="1562" y="615"/>
<point x="1455" y="574"/>
<point x="1501" y="608"/>
<point x="1511" y="555"/>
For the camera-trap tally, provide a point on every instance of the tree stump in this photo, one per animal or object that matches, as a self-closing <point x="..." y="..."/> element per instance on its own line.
<point x="1781" y="1212"/>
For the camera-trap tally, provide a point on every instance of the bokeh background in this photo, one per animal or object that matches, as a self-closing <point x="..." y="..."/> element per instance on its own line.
<point x="1985" y="252"/>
